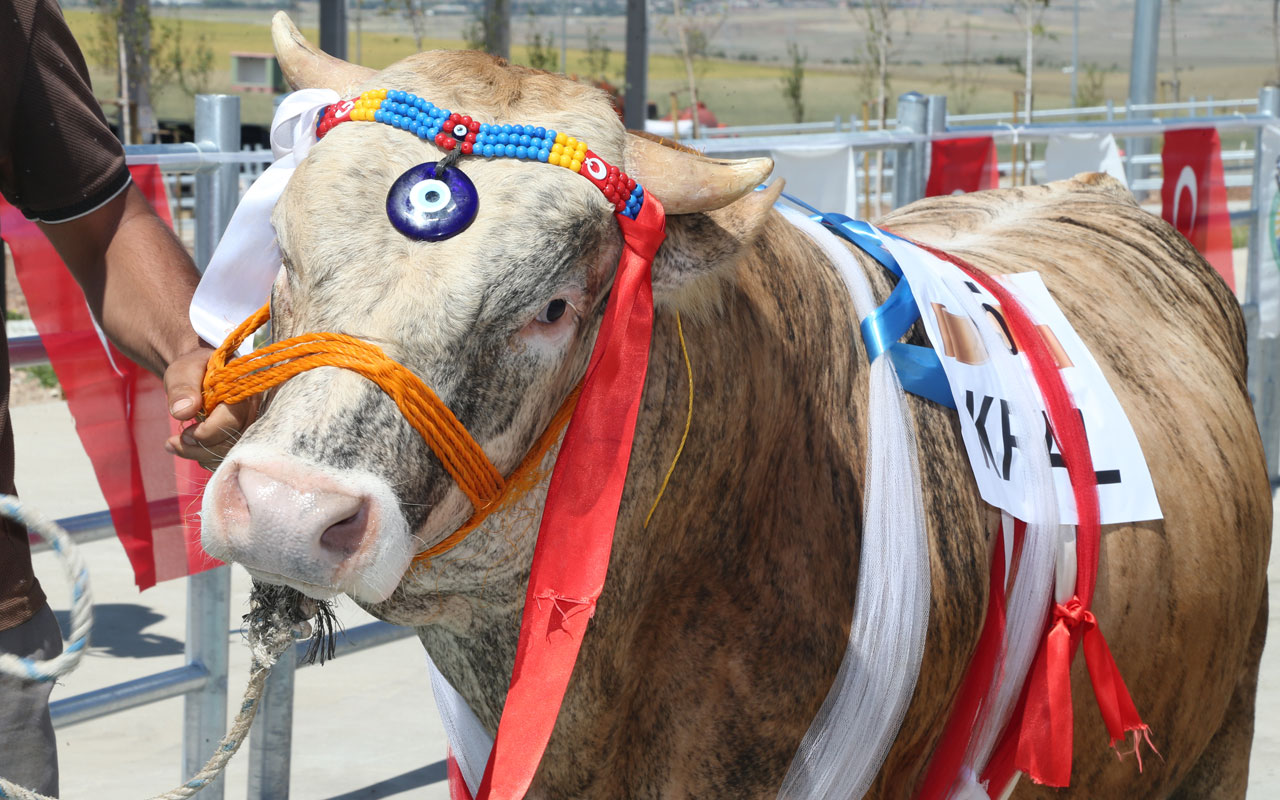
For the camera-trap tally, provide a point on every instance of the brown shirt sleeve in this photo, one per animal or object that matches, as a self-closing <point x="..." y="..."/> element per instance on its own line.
<point x="58" y="158"/>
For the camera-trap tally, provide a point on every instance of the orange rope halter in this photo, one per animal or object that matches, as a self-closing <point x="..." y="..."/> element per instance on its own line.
<point x="232" y="380"/>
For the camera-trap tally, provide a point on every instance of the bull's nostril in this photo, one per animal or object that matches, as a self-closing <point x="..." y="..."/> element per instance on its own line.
<point x="344" y="537"/>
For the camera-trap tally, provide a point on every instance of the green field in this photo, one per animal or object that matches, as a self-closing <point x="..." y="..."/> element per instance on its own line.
<point x="744" y="92"/>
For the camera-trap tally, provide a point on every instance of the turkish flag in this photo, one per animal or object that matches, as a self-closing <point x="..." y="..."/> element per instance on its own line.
<point x="962" y="165"/>
<point x="1194" y="196"/>
<point x="119" y="408"/>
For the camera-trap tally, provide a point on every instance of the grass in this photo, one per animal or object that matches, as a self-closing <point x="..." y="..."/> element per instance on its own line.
<point x="43" y="373"/>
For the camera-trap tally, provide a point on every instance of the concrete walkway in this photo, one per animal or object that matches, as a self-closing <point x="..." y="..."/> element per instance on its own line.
<point x="365" y="725"/>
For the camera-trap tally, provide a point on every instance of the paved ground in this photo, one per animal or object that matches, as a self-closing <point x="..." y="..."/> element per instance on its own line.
<point x="365" y="726"/>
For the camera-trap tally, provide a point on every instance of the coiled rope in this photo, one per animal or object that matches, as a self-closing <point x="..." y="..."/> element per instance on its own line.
<point x="270" y="636"/>
<point x="29" y="669"/>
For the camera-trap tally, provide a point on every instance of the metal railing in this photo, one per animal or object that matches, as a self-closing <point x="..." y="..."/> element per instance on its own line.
<point x="1109" y="112"/>
<point x="217" y="161"/>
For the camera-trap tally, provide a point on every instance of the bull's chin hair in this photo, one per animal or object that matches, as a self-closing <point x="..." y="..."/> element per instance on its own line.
<point x="271" y="604"/>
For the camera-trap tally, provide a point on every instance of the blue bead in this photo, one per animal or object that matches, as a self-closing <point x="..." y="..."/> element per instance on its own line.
<point x="488" y="151"/>
<point x="522" y="151"/>
<point x="422" y="131"/>
<point x="377" y="115"/>
<point x="540" y="133"/>
<point x="511" y="151"/>
<point x="506" y="129"/>
<point x="524" y="140"/>
<point x="551" y="136"/>
<point x="543" y="155"/>
<point x="484" y="127"/>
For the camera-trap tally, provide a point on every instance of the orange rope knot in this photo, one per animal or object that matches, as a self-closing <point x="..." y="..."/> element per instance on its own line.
<point x="232" y="380"/>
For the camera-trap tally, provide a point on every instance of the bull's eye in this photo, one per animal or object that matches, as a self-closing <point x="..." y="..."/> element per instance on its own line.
<point x="554" y="310"/>
<point x="429" y="206"/>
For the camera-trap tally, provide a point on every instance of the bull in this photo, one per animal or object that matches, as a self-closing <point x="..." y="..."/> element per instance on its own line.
<point x="724" y="619"/>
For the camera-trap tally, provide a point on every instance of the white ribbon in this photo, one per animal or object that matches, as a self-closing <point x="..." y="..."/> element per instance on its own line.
<point x="239" y="276"/>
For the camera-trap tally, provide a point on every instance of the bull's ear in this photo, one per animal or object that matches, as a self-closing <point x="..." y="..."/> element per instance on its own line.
<point x="687" y="182"/>
<point x="700" y="251"/>
<point x="305" y="67"/>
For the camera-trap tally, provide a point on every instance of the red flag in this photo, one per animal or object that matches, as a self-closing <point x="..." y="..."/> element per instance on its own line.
<point x="1194" y="196"/>
<point x="120" y="409"/>
<point x="962" y="165"/>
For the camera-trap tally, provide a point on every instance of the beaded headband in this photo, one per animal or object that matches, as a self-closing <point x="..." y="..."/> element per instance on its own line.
<point x="459" y="133"/>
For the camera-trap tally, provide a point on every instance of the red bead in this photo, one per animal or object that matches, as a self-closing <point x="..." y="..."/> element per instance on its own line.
<point x="454" y="119"/>
<point x="466" y="147"/>
<point x="613" y="171"/>
<point x="471" y="137"/>
<point x="449" y="143"/>
<point x="473" y="126"/>
<point x="620" y="206"/>
<point x="631" y="185"/>
<point x="465" y="120"/>
<point x="440" y="137"/>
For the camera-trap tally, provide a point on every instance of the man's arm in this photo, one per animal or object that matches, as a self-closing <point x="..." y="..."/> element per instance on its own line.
<point x="138" y="280"/>
<point x="135" y="274"/>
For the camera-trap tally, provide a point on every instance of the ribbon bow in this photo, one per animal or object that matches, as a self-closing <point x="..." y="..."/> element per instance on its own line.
<point x="245" y="263"/>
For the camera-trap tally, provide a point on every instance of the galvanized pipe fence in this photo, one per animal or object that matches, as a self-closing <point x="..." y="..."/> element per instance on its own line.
<point x="217" y="162"/>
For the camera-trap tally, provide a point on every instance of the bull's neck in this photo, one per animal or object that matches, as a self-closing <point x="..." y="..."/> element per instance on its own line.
<point x="772" y="465"/>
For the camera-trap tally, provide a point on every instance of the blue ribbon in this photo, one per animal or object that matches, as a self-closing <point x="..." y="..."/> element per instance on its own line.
<point x="919" y="370"/>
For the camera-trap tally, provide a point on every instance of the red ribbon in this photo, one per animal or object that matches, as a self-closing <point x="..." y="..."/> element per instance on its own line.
<point x="1043" y="725"/>
<point x="571" y="557"/>
<point x="948" y="756"/>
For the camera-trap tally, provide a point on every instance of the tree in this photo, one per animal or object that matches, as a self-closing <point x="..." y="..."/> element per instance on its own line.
<point x="598" y="52"/>
<point x="1092" y="91"/>
<point x="1176" y="83"/>
<point x="793" y="81"/>
<point x="146" y="59"/>
<point x="540" y="46"/>
<point x="1275" y="35"/>
<point x="881" y="18"/>
<point x="1031" y="14"/>
<point x="415" y="13"/>
<point x="962" y="78"/>
<point x="694" y="41"/>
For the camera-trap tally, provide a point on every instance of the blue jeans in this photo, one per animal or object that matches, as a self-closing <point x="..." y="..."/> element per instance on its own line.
<point x="28" y="750"/>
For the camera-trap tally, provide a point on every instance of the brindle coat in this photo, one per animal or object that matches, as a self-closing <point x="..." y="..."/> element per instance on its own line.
<point x="722" y="624"/>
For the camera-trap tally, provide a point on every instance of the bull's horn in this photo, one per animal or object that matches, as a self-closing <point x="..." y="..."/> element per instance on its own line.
<point x="305" y="67"/>
<point x="686" y="182"/>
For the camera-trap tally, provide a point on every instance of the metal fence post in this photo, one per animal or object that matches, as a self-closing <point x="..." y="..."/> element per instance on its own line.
<point x="935" y="122"/>
<point x="913" y="115"/>
<point x="271" y="738"/>
<point x="217" y="191"/>
<point x="209" y="593"/>
<point x="1264" y="346"/>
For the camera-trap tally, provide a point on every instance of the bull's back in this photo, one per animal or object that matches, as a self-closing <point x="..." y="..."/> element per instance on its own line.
<point x="1177" y="599"/>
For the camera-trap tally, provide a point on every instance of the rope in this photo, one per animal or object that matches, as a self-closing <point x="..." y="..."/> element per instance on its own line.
<point x="238" y="379"/>
<point x="29" y="669"/>
<point x="270" y="635"/>
<point x="229" y="380"/>
<point x="688" y="421"/>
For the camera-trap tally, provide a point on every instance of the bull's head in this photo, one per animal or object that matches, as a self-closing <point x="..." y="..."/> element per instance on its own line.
<point x="331" y="490"/>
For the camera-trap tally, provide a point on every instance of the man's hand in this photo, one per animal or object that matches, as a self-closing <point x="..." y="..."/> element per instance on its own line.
<point x="208" y="441"/>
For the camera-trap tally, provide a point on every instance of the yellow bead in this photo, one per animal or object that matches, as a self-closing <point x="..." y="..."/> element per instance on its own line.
<point x="581" y="151"/>
<point x="575" y="165"/>
<point x="570" y="143"/>
<point x="560" y="138"/>
<point x="557" y="149"/>
<point x="554" y="159"/>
